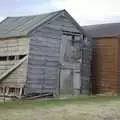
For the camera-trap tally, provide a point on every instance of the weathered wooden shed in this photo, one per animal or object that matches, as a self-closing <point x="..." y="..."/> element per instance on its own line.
<point x="106" y="57"/>
<point x="44" y="53"/>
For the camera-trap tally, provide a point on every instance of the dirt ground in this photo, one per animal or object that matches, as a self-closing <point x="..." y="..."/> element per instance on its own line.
<point x="107" y="110"/>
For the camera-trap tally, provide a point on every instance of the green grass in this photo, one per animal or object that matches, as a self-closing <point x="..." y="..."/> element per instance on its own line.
<point x="70" y="108"/>
<point x="56" y="102"/>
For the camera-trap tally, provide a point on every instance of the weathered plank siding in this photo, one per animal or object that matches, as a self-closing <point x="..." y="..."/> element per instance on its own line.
<point x="62" y="23"/>
<point x="69" y="56"/>
<point x="44" y="57"/>
<point x="118" y="65"/>
<point x="86" y="68"/>
<point x="47" y="62"/>
<point x="13" y="47"/>
<point x="43" y="61"/>
<point x="105" y="65"/>
<point x="17" y="78"/>
<point x="53" y="44"/>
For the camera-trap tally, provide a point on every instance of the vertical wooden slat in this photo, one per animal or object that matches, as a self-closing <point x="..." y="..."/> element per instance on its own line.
<point x="104" y="65"/>
<point x="20" y="94"/>
<point x="4" y="94"/>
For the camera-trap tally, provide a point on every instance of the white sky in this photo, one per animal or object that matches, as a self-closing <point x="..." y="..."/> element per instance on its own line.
<point x="91" y="11"/>
<point x="1" y="18"/>
<point x="84" y="11"/>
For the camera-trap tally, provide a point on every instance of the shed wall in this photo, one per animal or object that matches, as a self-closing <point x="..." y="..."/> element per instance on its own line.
<point x="17" y="78"/>
<point x="45" y="55"/>
<point x="14" y="46"/>
<point x="43" y="63"/>
<point x="11" y="49"/>
<point x="118" y="66"/>
<point x="46" y="63"/>
<point x="104" y="65"/>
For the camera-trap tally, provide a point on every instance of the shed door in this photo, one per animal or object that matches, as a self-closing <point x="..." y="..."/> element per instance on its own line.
<point x="69" y="54"/>
<point x="66" y="81"/>
<point x="76" y="83"/>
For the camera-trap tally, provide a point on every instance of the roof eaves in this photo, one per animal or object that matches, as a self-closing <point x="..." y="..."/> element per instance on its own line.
<point x="106" y="36"/>
<point x="21" y="36"/>
<point x="4" y="20"/>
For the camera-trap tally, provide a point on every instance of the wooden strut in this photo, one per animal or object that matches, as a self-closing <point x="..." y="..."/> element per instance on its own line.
<point x="12" y="68"/>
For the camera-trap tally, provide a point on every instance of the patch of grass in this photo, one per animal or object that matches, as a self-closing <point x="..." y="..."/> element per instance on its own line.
<point x="26" y="104"/>
<point x="65" y="108"/>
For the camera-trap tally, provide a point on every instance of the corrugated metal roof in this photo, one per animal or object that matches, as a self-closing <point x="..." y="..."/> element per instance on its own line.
<point x="102" y="30"/>
<point x="20" y="26"/>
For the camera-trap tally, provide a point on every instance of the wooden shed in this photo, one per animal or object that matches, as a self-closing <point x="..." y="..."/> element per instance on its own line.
<point x="106" y="57"/>
<point x="44" y="53"/>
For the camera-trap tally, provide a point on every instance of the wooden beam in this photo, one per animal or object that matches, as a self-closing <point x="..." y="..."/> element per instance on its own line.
<point x="7" y="90"/>
<point x="12" y="68"/>
<point x="11" y="37"/>
<point x="4" y="95"/>
<point x="21" y="89"/>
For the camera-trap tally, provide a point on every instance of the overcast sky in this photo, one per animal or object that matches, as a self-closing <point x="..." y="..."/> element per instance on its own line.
<point x="84" y="11"/>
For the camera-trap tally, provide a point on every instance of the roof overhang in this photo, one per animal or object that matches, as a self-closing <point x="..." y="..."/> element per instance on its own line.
<point x="107" y="36"/>
<point x="13" y="37"/>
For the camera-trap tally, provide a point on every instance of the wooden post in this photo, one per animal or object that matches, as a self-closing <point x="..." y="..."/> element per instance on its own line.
<point x="20" y="93"/>
<point x="15" y="92"/>
<point x="7" y="91"/>
<point x="4" y="95"/>
<point x="58" y="82"/>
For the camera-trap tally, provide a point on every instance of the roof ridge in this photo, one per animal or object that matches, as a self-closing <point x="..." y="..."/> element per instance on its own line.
<point x="36" y="14"/>
<point x="4" y="20"/>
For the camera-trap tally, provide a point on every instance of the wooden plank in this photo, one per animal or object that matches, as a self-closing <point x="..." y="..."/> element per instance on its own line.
<point x="13" y="46"/>
<point x="50" y="34"/>
<point x="12" y="68"/>
<point x="20" y="94"/>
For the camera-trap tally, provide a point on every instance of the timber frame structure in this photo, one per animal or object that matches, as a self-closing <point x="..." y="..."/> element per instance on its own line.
<point x="44" y="53"/>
